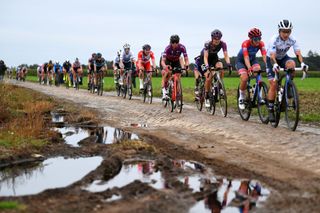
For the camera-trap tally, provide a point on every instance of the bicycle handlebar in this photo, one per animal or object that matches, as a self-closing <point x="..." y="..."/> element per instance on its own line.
<point x="304" y="69"/>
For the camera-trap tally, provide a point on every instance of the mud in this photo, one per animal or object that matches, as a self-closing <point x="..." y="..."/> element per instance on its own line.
<point x="284" y="162"/>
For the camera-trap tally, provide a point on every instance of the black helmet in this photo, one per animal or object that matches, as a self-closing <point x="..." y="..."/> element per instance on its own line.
<point x="146" y="47"/>
<point x="174" y="39"/>
<point x="217" y="34"/>
<point x="1" y="62"/>
<point x="99" y="55"/>
<point x="50" y="62"/>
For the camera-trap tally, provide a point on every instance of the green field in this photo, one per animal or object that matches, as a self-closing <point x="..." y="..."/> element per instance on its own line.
<point x="309" y="91"/>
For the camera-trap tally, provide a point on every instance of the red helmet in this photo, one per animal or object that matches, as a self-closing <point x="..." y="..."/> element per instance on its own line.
<point x="254" y="32"/>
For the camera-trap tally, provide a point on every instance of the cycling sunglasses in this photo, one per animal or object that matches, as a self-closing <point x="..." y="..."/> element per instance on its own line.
<point x="286" y="31"/>
<point x="256" y="39"/>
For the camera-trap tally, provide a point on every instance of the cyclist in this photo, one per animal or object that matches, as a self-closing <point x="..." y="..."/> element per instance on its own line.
<point x="23" y="72"/>
<point x="66" y="68"/>
<point x="44" y="71"/>
<point x="39" y="71"/>
<point x="247" y="62"/>
<point x="3" y="69"/>
<point x="171" y="59"/>
<point x="143" y="63"/>
<point x="209" y="58"/>
<point x="116" y="67"/>
<point x="91" y="62"/>
<point x="50" y="71"/>
<point x="57" y="72"/>
<point x="99" y="68"/>
<point x="277" y="55"/>
<point x="76" y="68"/>
<point x="127" y="62"/>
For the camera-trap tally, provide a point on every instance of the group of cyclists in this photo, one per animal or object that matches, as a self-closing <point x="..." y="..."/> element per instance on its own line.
<point x="175" y="57"/>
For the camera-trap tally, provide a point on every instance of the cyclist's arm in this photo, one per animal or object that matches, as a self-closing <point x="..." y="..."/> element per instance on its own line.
<point x="226" y="57"/>
<point x="299" y="56"/>
<point x="205" y="57"/>
<point x="186" y="61"/>
<point x="163" y="62"/>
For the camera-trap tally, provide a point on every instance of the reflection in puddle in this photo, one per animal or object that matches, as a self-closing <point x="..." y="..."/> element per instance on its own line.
<point x="57" y="117"/>
<point x="139" y="125"/>
<point x="142" y="171"/>
<point x="104" y="135"/>
<point x="51" y="173"/>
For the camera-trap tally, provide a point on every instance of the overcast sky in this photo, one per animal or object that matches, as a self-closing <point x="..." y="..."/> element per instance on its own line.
<point x="35" y="31"/>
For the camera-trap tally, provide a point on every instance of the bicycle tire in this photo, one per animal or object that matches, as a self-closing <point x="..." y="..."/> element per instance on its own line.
<point x="101" y="86"/>
<point x="118" y="89"/>
<point x="291" y="102"/>
<point x="124" y="91"/>
<point x="263" y="103"/>
<point x="179" y="97"/>
<point x="222" y="98"/>
<point x="150" y="93"/>
<point x="245" y="113"/>
<point x="200" y="98"/>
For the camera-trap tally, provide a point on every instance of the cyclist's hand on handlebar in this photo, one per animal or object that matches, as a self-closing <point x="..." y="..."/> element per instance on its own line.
<point x="276" y="67"/>
<point x="304" y="66"/>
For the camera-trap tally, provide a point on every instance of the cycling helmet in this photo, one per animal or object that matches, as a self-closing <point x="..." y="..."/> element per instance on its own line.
<point x="99" y="55"/>
<point x="254" y="32"/>
<point x="77" y="59"/>
<point x="119" y="53"/>
<point x="1" y="62"/>
<point x="50" y="62"/>
<point x="93" y="55"/>
<point x="174" y="39"/>
<point x="126" y="46"/>
<point x="217" y="34"/>
<point x="57" y="62"/>
<point x="146" y="47"/>
<point x="285" y="25"/>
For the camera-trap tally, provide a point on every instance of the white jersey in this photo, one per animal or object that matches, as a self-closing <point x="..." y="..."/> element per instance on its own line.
<point x="281" y="47"/>
<point x="126" y="58"/>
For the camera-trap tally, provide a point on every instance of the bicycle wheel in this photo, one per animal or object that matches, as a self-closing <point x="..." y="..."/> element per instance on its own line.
<point x="101" y="86"/>
<point x="149" y="93"/>
<point x="212" y="108"/>
<point x="200" y="98"/>
<point x="262" y="99"/>
<point x="246" y="112"/>
<point x="292" y="105"/>
<point x="118" y="89"/>
<point x="124" y="91"/>
<point x="222" y="97"/>
<point x="179" y="97"/>
<point x="130" y="92"/>
<point x="170" y="102"/>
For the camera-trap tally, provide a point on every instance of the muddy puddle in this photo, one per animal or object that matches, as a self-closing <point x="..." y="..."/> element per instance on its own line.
<point x="213" y="193"/>
<point x="51" y="173"/>
<point x="104" y="135"/>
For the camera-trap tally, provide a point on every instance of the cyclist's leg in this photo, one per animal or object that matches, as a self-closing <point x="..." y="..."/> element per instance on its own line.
<point x="141" y="69"/>
<point x="220" y="65"/>
<point x="197" y="71"/>
<point x="166" y="73"/>
<point x="243" y="73"/>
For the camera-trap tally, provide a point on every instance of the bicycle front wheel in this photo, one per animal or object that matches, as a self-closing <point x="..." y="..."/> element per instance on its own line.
<point x="262" y="99"/>
<point x="200" y="98"/>
<point x="222" y="98"/>
<point x="149" y="93"/>
<point x="179" y="97"/>
<point x="246" y="112"/>
<point x="292" y="105"/>
<point x="101" y="87"/>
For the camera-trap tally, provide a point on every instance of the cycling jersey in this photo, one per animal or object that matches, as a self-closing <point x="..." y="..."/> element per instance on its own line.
<point x="44" y="67"/>
<point x="67" y="66"/>
<point x="50" y="66"/>
<point x="76" y="66"/>
<point x="173" y="55"/>
<point x="100" y="63"/>
<point x="91" y="62"/>
<point x="127" y="57"/>
<point x="212" y="54"/>
<point x="251" y="51"/>
<point x="281" y="47"/>
<point x="117" y="60"/>
<point x="145" y="58"/>
<point x="57" y="68"/>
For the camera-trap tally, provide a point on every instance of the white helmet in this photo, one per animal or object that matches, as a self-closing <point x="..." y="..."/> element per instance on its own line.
<point x="126" y="46"/>
<point x="285" y="25"/>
